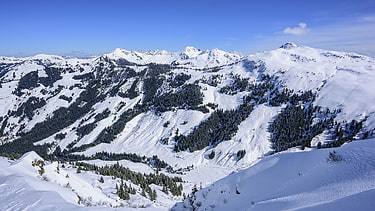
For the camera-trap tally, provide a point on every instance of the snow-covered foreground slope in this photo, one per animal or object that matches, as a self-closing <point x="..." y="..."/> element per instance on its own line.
<point x="24" y="187"/>
<point x="297" y="181"/>
<point x="285" y="181"/>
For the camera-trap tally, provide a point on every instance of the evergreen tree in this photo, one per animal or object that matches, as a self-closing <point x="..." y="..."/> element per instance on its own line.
<point x="152" y="195"/>
<point x="165" y="190"/>
<point x="211" y="155"/>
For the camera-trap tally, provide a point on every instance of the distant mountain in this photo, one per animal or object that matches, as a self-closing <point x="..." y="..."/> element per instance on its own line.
<point x="199" y="114"/>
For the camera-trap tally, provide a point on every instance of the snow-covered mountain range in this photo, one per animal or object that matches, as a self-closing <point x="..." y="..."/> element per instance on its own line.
<point x="195" y="114"/>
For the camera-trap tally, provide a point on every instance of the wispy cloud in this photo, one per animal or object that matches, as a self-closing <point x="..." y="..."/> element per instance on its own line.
<point x="299" y="30"/>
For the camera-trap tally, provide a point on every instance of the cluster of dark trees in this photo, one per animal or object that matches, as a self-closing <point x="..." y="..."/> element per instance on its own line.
<point x="60" y="118"/>
<point x="66" y="98"/>
<point x="104" y="114"/>
<point x="27" y="109"/>
<point x="85" y="77"/>
<point x="150" y="87"/>
<point x="267" y="90"/>
<point x="32" y="80"/>
<point x="288" y="127"/>
<point x="157" y="163"/>
<point x="65" y="156"/>
<point x="108" y="134"/>
<point x="17" y="148"/>
<point x="4" y="69"/>
<point x="153" y="79"/>
<point x="212" y="80"/>
<point x="4" y="122"/>
<point x="172" y="184"/>
<point x="123" y="190"/>
<point x="28" y="81"/>
<point x="346" y="132"/>
<point x="60" y="136"/>
<point x="241" y="154"/>
<point x="157" y="69"/>
<point x="116" y="88"/>
<point x="333" y="157"/>
<point x="53" y="75"/>
<point x="278" y="97"/>
<point x="179" y="80"/>
<point x="297" y="126"/>
<point x="83" y="130"/>
<point x="260" y="92"/>
<point x="188" y="96"/>
<point x="131" y="92"/>
<point x="211" y="155"/>
<point x="294" y="126"/>
<point x="64" y="117"/>
<point x="220" y="126"/>
<point x="153" y="161"/>
<point x="238" y="85"/>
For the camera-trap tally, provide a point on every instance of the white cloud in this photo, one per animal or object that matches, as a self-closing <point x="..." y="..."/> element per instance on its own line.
<point x="300" y="29"/>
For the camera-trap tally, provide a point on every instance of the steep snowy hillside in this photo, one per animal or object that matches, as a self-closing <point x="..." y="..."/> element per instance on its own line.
<point x="339" y="179"/>
<point x="195" y="114"/>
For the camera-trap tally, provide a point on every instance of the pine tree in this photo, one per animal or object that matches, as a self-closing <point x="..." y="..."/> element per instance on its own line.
<point x="165" y="189"/>
<point x="152" y="195"/>
<point x="211" y="155"/>
<point x="194" y="189"/>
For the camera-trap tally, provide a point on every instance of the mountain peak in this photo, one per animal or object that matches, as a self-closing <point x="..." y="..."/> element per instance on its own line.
<point x="190" y="52"/>
<point x="120" y="51"/>
<point x="189" y="49"/>
<point x="289" y="45"/>
<point x="46" y="57"/>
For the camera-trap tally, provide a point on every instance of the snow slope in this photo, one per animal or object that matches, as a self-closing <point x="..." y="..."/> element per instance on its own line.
<point x="297" y="181"/>
<point x="22" y="187"/>
<point x="340" y="80"/>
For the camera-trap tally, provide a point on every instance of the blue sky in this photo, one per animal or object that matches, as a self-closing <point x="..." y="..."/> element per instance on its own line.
<point x="91" y="27"/>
